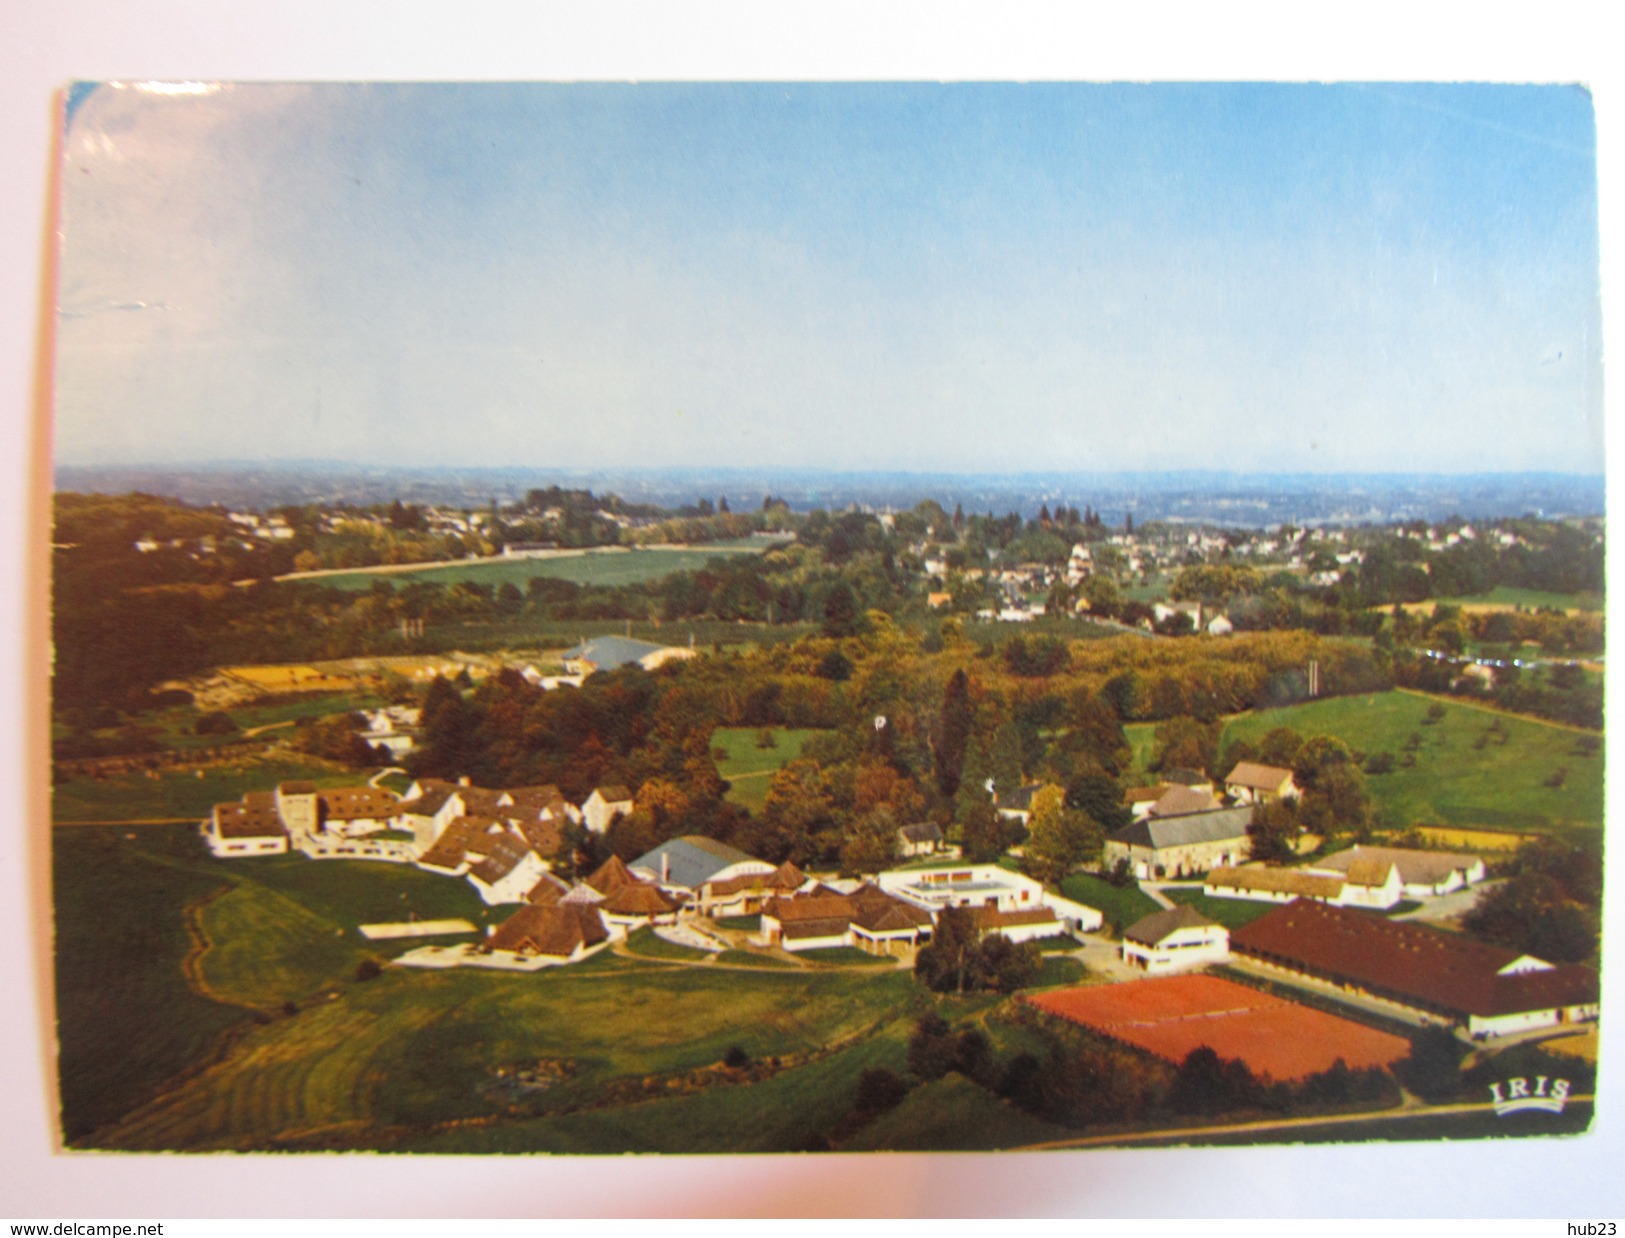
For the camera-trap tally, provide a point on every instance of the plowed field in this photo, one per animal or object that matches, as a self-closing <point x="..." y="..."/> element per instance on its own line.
<point x="1171" y="1015"/>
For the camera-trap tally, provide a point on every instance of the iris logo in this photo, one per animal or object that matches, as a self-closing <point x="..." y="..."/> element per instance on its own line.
<point x="1520" y="1096"/>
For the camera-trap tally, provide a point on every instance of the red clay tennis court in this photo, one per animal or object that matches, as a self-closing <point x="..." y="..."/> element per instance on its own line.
<point x="1171" y="1015"/>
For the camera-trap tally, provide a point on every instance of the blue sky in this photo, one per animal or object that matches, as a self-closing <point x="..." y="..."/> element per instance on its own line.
<point x="962" y="278"/>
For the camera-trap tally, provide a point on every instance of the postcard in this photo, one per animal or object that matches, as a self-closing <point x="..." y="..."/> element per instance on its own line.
<point x="762" y="618"/>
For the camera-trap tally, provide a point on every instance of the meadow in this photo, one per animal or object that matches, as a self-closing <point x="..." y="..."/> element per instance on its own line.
<point x="1455" y="781"/>
<point x="750" y="768"/>
<point x="1121" y="905"/>
<point x="602" y="567"/>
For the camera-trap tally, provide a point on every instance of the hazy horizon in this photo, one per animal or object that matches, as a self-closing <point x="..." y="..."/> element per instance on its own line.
<point x="976" y="279"/>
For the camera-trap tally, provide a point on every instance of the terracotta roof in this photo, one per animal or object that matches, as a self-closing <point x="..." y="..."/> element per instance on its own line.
<point x="1415" y="867"/>
<point x="810" y="907"/>
<point x="614" y="795"/>
<point x="553" y="931"/>
<point x="1276" y="881"/>
<point x="249" y="820"/>
<point x="1160" y="925"/>
<point x="301" y="787"/>
<point x="1427" y="966"/>
<point x="612" y="874"/>
<point x="1257" y="777"/>
<point x="1186" y="777"/>
<point x="1179" y="801"/>
<point x="354" y="803"/>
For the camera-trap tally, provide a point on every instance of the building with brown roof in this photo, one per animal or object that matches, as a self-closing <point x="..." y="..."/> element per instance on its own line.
<point x="637" y="903"/>
<point x="1181" y="845"/>
<point x="252" y="826"/>
<point x="1176" y="939"/>
<point x="1180" y="800"/>
<point x="560" y="933"/>
<point x="1254" y="783"/>
<point x="1368" y="885"/>
<point x="1422" y="874"/>
<point x="1490" y="990"/>
<point x="354" y="811"/>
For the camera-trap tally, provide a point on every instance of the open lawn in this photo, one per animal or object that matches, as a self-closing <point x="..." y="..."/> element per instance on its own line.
<point x="1233" y="913"/>
<point x="392" y="1059"/>
<point x="127" y="1020"/>
<point x="1121" y="906"/>
<point x="787" y="1112"/>
<point x="186" y="792"/>
<point x="605" y="567"/>
<point x="952" y="1114"/>
<point x="1499" y="785"/>
<point x="646" y="942"/>
<point x="846" y="956"/>
<point x="749" y="767"/>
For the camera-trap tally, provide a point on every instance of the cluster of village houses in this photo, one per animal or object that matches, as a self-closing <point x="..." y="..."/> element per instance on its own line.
<point x="1325" y="931"/>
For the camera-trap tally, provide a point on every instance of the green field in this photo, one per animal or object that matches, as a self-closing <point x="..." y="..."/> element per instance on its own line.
<point x="1499" y="786"/>
<point x="1121" y="907"/>
<point x="615" y="567"/>
<point x="180" y="792"/>
<point x="1233" y="913"/>
<point x="1530" y="599"/>
<point x="648" y="943"/>
<point x="399" y="1059"/>
<point x="750" y="768"/>
<point x="126" y="1018"/>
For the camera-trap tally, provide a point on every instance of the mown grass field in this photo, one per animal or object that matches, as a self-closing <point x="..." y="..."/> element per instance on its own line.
<point x="1121" y="907"/>
<point x="749" y="767"/>
<point x="1453" y="783"/>
<point x="181" y="793"/>
<point x="126" y="1018"/>
<point x="394" y="1061"/>
<point x="1233" y="913"/>
<point x="613" y="567"/>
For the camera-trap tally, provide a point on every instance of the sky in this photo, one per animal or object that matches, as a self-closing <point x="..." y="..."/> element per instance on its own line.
<point x="961" y="278"/>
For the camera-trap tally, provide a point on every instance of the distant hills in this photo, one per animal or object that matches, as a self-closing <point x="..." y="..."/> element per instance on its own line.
<point x="1240" y="500"/>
